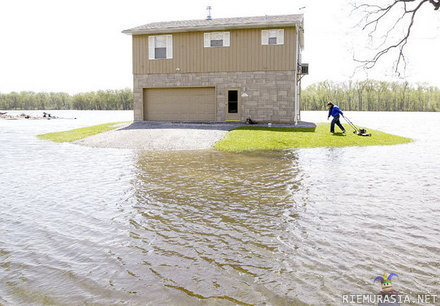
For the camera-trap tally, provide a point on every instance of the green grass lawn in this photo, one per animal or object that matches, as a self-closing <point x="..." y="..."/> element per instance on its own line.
<point x="250" y="138"/>
<point x="80" y="133"/>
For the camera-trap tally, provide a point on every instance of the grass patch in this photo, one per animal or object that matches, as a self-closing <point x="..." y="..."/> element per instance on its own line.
<point x="80" y="133"/>
<point x="265" y="138"/>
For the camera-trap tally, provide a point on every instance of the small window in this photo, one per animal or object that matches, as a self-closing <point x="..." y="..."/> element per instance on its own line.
<point x="272" y="40"/>
<point x="232" y="101"/>
<point x="160" y="47"/>
<point x="160" y="53"/>
<point x="217" y="39"/>
<point x="216" y="42"/>
<point x="272" y="37"/>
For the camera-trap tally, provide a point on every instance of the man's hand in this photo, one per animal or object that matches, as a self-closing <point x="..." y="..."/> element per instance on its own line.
<point x="328" y="118"/>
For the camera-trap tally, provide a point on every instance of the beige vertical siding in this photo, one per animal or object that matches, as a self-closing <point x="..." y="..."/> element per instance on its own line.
<point x="245" y="54"/>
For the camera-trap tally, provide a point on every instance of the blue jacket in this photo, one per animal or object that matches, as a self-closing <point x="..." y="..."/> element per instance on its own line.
<point x="334" y="111"/>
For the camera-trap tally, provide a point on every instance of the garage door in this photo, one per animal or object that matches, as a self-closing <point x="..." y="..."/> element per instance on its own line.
<point x="179" y="104"/>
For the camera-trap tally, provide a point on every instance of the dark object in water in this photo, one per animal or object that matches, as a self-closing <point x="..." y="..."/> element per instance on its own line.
<point x="250" y="121"/>
<point x="359" y="132"/>
<point x="47" y="115"/>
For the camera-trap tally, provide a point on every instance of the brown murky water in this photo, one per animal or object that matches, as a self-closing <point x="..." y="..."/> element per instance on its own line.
<point x="83" y="225"/>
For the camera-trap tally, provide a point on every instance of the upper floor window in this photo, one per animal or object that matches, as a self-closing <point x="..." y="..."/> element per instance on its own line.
<point x="272" y="37"/>
<point x="217" y="39"/>
<point x="160" y="46"/>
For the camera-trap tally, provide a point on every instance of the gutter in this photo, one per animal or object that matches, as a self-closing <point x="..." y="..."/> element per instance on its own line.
<point x="209" y="28"/>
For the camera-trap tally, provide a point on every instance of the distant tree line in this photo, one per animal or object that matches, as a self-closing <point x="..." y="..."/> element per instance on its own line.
<point x="121" y="99"/>
<point x="366" y="95"/>
<point x="371" y="95"/>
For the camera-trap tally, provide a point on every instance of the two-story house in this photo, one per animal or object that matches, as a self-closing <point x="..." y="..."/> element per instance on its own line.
<point x="226" y="69"/>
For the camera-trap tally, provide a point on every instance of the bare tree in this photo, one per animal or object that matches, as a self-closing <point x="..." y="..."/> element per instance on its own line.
<point x="393" y="16"/>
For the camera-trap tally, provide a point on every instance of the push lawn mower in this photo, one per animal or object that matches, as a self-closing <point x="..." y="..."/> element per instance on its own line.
<point x="359" y="132"/>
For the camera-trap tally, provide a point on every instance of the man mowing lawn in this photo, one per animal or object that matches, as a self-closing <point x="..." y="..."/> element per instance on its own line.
<point x="334" y="111"/>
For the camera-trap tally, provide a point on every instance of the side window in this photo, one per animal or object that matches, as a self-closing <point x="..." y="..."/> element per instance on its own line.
<point x="160" y="47"/>
<point x="217" y="39"/>
<point x="272" y="37"/>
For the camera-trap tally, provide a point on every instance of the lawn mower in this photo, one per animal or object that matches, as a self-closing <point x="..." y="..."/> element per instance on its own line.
<point x="359" y="132"/>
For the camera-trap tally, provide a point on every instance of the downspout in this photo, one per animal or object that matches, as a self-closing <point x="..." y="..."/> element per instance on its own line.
<point x="295" y="79"/>
<point x="298" y="93"/>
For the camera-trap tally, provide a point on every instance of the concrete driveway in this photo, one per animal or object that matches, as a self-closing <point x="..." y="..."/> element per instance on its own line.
<point x="160" y="136"/>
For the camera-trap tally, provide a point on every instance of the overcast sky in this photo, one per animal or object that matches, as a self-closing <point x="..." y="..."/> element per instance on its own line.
<point x="76" y="46"/>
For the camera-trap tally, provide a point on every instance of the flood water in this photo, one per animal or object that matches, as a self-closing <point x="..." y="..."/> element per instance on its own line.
<point x="108" y="226"/>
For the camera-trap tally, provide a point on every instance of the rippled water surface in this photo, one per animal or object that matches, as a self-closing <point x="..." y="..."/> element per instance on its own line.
<point x="85" y="225"/>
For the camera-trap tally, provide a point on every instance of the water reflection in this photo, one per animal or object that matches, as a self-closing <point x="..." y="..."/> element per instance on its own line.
<point x="81" y="225"/>
<point x="210" y="223"/>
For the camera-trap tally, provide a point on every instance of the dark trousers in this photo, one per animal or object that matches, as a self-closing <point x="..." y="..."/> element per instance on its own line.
<point x="338" y="123"/>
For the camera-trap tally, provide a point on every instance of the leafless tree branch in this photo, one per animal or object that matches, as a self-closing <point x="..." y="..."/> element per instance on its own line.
<point x="374" y="15"/>
<point x="436" y="4"/>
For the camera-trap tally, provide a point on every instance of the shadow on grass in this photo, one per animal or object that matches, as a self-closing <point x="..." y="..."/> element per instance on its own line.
<point x="338" y="134"/>
<point x="278" y="129"/>
<point x="225" y="126"/>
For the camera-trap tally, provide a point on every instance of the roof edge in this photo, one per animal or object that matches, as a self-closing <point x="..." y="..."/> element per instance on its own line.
<point x="217" y="27"/>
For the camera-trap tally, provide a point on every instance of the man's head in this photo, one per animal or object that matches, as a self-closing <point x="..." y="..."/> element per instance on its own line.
<point x="330" y="104"/>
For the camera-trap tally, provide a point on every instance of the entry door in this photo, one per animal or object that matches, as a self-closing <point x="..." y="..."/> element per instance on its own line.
<point x="233" y="105"/>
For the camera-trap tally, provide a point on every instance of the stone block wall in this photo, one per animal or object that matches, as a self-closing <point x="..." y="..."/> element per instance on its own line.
<point x="270" y="93"/>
